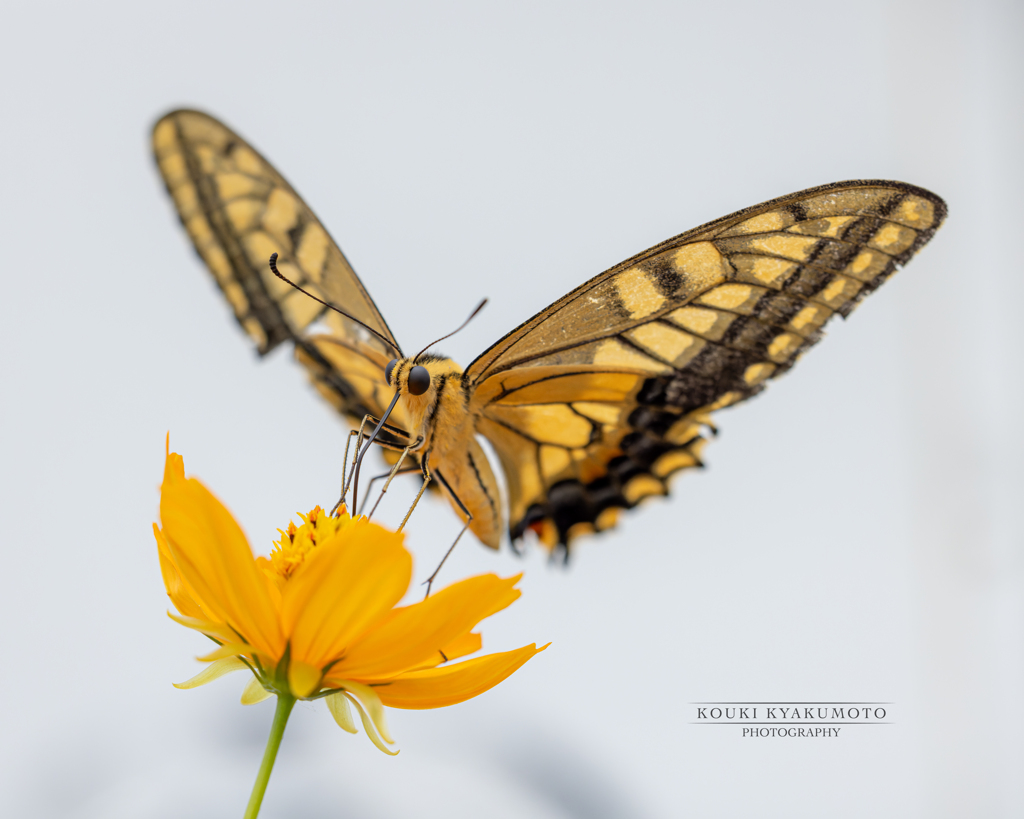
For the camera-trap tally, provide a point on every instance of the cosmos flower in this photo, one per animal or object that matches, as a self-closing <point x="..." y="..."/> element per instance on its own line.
<point x="319" y="618"/>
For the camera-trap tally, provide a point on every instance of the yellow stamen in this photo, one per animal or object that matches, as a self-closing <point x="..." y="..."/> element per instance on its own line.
<point x="297" y="542"/>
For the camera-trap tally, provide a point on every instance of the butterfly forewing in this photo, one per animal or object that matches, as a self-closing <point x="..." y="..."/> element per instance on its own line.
<point x="239" y="210"/>
<point x="594" y="402"/>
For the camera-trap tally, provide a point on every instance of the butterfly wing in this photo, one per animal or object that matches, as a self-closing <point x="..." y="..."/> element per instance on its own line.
<point x="592" y="404"/>
<point x="238" y="210"/>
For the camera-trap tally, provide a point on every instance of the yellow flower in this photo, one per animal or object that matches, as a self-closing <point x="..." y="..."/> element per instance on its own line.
<point x="318" y="618"/>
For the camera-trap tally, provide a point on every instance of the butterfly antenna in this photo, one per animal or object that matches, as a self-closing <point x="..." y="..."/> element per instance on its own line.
<point x="472" y="316"/>
<point x="282" y="277"/>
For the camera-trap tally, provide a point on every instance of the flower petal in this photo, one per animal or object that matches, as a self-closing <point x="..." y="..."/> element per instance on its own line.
<point x="504" y="598"/>
<point x="218" y="631"/>
<point x="337" y="704"/>
<point x="254" y="692"/>
<point x="368" y="727"/>
<point x="344" y="587"/>
<point x="417" y="633"/>
<point x="467" y="644"/>
<point x="461" y="646"/>
<point x="214" y="559"/>
<point x="212" y="672"/>
<point x="368" y="698"/>
<point x="451" y="684"/>
<point x="227" y="650"/>
<point x="180" y="598"/>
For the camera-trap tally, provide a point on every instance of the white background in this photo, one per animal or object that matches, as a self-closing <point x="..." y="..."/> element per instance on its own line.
<point x="857" y="535"/>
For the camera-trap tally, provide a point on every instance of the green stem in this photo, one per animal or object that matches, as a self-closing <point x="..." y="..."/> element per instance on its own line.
<point x="285" y="704"/>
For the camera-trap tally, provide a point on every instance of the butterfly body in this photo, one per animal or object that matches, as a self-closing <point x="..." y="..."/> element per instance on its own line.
<point x="443" y="433"/>
<point x="594" y="403"/>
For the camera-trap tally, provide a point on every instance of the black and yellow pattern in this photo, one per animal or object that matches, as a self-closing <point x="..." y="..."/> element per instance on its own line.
<point x="238" y="210"/>
<point x="594" y="420"/>
<point x="592" y="404"/>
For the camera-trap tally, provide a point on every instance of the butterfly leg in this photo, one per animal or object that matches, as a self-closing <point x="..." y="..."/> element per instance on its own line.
<point x="360" y="433"/>
<point x="346" y="476"/>
<point x="344" y="468"/>
<point x="427" y="478"/>
<point x="395" y="470"/>
<point x="389" y="474"/>
<point x="469" y="519"/>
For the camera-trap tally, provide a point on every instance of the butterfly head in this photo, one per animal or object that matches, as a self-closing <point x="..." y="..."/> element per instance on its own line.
<point x="417" y="377"/>
<point x="419" y="380"/>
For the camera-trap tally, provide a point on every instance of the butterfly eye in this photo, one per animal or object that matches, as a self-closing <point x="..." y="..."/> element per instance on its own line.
<point x="390" y="369"/>
<point x="419" y="380"/>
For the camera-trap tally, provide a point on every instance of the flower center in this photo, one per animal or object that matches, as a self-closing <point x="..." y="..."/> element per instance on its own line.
<point x="299" y="541"/>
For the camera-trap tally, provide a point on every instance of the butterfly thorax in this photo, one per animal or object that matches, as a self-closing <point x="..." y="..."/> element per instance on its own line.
<point x="439" y="417"/>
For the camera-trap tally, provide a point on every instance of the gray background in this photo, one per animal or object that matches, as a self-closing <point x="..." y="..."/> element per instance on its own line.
<point x="857" y="535"/>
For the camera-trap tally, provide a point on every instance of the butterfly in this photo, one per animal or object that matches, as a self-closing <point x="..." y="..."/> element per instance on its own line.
<point x="596" y="401"/>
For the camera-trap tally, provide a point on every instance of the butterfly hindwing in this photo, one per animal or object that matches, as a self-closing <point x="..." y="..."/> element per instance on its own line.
<point x="594" y="402"/>
<point x="347" y="372"/>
